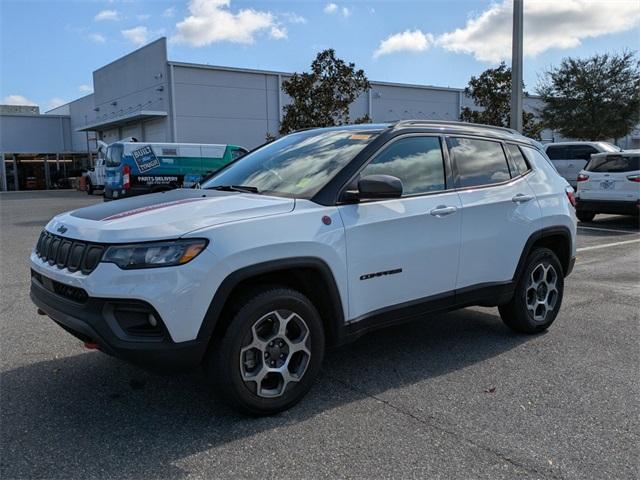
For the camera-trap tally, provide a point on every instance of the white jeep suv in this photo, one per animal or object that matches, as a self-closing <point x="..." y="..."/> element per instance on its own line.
<point x="308" y="242"/>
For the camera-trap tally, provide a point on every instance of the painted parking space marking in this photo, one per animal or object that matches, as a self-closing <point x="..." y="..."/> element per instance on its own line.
<point x="609" y="230"/>
<point x="606" y="245"/>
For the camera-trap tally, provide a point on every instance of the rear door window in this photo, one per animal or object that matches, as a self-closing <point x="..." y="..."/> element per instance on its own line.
<point x="614" y="163"/>
<point x="478" y="162"/>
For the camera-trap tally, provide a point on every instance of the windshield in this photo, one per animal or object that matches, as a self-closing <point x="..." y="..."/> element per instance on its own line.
<point x="297" y="165"/>
<point x="113" y="155"/>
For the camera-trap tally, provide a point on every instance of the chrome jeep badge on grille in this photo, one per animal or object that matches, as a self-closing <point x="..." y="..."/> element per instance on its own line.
<point x="61" y="229"/>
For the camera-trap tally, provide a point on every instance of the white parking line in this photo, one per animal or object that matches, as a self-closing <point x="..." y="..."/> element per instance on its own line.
<point x="606" y="245"/>
<point x="607" y="230"/>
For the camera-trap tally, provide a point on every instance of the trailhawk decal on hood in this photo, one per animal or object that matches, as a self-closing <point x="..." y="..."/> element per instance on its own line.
<point x="148" y="208"/>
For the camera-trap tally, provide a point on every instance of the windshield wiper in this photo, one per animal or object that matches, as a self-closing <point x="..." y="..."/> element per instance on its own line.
<point x="236" y="188"/>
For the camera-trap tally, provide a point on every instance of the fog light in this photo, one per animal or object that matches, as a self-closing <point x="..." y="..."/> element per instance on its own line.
<point x="152" y="320"/>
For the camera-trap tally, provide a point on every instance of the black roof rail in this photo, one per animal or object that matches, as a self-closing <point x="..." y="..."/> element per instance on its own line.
<point x="405" y="123"/>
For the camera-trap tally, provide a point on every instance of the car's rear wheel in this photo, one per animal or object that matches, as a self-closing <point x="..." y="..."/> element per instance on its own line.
<point x="538" y="294"/>
<point x="585" y="216"/>
<point x="270" y="353"/>
<point x="89" y="188"/>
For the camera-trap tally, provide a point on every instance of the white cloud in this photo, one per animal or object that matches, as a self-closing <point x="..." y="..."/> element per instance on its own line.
<point x="137" y="35"/>
<point x="291" y="17"/>
<point x="18" y="100"/>
<point x="331" y="8"/>
<point x="84" y="88"/>
<point x="212" y="21"/>
<point x="547" y="24"/>
<point x="407" y="41"/>
<point x="278" y="33"/>
<point x="97" y="38"/>
<point x="144" y="16"/>
<point x="55" y="102"/>
<point x="169" y="12"/>
<point x="107" y="15"/>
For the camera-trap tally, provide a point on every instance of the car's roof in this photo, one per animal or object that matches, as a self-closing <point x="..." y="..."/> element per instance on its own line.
<point x="561" y="144"/>
<point x="437" y="126"/>
<point x="623" y="153"/>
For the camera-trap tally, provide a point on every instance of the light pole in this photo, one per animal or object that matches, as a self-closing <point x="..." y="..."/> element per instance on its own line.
<point x="516" y="67"/>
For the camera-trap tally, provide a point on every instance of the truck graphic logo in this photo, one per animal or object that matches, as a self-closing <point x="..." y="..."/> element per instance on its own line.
<point x="145" y="158"/>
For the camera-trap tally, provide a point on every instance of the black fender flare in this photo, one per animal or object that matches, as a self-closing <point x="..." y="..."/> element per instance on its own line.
<point x="541" y="234"/>
<point x="227" y="286"/>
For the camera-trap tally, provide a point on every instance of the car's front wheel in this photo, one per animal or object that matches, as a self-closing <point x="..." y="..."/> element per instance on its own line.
<point x="538" y="294"/>
<point x="270" y="353"/>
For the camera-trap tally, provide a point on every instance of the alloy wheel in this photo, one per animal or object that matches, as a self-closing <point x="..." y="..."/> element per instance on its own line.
<point x="542" y="291"/>
<point x="276" y="353"/>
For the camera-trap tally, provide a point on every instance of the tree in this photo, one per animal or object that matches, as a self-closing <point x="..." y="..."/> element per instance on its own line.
<point x="595" y="98"/>
<point x="491" y="90"/>
<point x="321" y="98"/>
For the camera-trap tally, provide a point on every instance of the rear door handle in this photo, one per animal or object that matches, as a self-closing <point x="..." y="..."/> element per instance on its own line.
<point x="442" y="211"/>
<point x="521" y="198"/>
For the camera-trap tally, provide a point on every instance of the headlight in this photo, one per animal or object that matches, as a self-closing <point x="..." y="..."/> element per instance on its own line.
<point x="156" y="254"/>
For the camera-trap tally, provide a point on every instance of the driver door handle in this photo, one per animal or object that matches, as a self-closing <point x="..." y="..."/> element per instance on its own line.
<point x="442" y="211"/>
<point x="521" y="198"/>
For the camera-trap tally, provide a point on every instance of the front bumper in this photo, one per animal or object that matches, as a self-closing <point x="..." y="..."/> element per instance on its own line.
<point x="104" y="322"/>
<point x="608" y="206"/>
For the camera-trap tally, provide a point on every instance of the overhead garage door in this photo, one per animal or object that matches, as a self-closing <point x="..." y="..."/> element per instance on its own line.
<point x="155" y="131"/>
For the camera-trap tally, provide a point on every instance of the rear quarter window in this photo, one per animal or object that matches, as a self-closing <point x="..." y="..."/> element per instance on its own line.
<point x="557" y="153"/>
<point x="581" y="152"/>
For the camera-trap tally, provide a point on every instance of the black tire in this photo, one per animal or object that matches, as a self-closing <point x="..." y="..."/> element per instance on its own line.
<point x="224" y="364"/>
<point x="89" y="188"/>
<point x="517" y="314"/>
<point x="585" y="216"/>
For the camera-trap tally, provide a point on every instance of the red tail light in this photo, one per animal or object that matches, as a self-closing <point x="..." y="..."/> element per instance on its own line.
<point x="583" y="177"/>
<point x="570" y="196"/>
<point x="125" y="177"/>
<point x="634" y="178"/>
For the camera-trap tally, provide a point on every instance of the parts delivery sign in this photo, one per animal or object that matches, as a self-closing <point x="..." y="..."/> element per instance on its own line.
<point x="145" y="158"/>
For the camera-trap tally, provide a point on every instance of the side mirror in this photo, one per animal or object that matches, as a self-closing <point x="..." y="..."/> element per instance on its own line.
<point x="379" y="186"/>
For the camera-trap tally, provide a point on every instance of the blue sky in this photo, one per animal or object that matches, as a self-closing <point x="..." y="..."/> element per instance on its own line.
<point x="49" y="48"/>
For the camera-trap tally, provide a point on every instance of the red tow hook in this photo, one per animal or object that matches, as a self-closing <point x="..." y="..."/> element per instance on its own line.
<point x="91" y="346"/>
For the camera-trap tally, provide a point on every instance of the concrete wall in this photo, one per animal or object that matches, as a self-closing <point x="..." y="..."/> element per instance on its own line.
<point x="79" y="111"/>
<point x="35" y="133"/>
<point x="137" y="81"/>
<point x="224" y="106"/>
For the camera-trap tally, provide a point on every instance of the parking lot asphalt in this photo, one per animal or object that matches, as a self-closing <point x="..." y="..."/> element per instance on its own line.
<point x="453" y="396"/>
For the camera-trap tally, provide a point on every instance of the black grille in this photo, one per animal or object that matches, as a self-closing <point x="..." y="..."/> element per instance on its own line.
<point x="74" y="294"/>
<point x="67" y="253"/>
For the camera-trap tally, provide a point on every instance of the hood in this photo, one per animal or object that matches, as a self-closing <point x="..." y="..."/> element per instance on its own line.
<point x="164" y="215"/>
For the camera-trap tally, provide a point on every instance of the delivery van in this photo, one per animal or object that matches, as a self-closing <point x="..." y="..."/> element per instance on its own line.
<point x="134" y="168"/>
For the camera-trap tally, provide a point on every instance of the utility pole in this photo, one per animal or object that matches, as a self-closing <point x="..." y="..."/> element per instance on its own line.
<point x="516" y="67"/>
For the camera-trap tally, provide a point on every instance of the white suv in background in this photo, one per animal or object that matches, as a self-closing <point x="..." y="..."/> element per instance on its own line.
<point x="610" y="183"/>
<point x="571" y="157"/>
<point x="310" y="241"/>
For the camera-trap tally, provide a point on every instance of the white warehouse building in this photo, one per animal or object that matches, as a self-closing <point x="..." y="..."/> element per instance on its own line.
<point x="147" y="96"/>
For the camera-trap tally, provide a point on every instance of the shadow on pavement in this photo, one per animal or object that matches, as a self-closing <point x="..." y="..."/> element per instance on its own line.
<point x="93" y="415"/>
